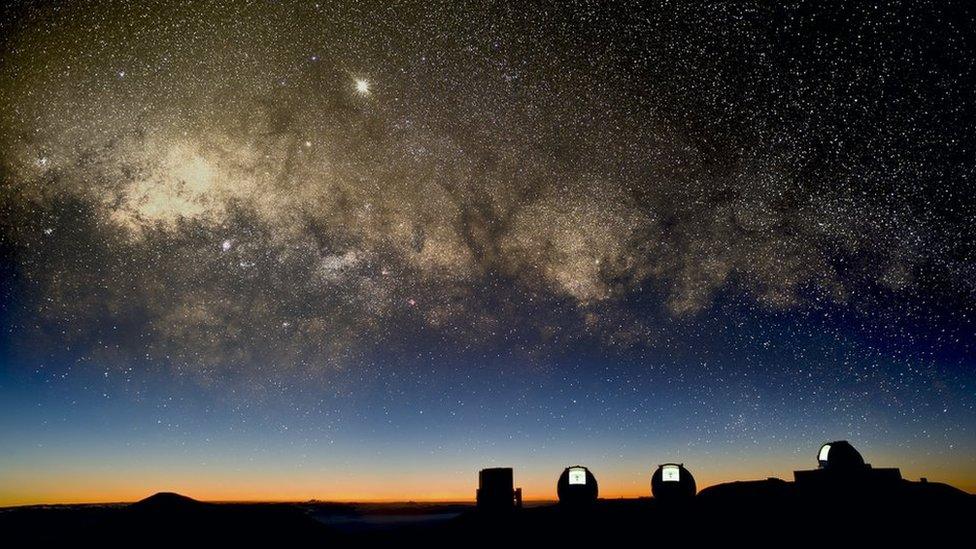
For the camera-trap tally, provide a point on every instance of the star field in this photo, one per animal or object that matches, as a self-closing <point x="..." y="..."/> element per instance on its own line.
<point x="321" y="236"/>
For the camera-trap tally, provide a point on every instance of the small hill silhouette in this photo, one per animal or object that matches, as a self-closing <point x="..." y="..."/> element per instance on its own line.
<point x="171" y="518"/>
<point x="167" y="501"/>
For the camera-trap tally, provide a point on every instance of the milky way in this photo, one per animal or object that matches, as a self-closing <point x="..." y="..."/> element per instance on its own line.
<point x="263" y="192"/>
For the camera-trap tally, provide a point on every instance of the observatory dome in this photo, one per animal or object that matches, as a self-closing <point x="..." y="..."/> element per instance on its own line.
<point x="672" y="482"/>
<point x="840" y="456"/>
<point x="577" y="486"/>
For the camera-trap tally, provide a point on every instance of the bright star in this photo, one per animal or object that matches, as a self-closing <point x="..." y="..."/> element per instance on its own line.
<point x="362" y="86"/>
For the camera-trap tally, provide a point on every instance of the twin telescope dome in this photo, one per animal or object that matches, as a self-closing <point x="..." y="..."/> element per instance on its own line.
<point x="670" y="482"/>
<point x="577" y="486"/>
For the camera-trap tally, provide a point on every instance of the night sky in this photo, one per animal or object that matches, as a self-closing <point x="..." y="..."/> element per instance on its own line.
<point x="282" y="250"/>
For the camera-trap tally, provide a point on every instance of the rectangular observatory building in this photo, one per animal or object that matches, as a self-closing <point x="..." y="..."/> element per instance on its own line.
<point x="496" y="490"/>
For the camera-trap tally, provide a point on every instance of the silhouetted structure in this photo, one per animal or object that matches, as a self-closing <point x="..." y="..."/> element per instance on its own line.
<point x="749" y="492"/>
<point x="577" y="487"/>
<point x="496" y="490"/>
<point x="761" y="513"/>
<point x="672" y="482"/>
<point x="839" y="455"/>
<point x="841" y="467"/>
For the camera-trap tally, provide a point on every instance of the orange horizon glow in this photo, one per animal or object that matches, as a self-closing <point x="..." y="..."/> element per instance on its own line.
<point x="49" y="480"/>
<point x="86" y="490"/>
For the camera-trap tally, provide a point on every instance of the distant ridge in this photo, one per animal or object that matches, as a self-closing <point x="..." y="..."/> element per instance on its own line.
<point x="167" y="501"/>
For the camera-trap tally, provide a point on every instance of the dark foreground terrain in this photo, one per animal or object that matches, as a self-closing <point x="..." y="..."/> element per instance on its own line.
<point x="770" y="512"/>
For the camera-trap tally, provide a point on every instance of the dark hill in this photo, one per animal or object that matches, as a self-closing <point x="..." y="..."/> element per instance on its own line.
<point x="164" y="518"/>
<point x="163" y="501"/>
